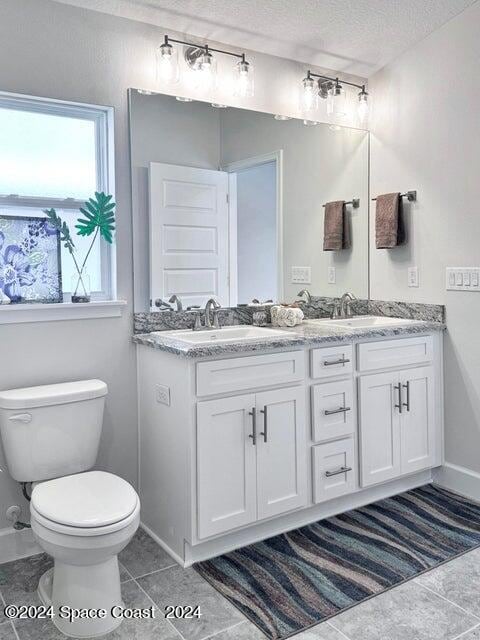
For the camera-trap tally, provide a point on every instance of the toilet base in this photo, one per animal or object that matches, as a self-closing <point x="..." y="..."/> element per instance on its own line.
<point x="86" y="588"/>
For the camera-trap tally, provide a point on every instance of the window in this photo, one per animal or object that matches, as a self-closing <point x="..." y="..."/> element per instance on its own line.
<point x="56" y="154"/>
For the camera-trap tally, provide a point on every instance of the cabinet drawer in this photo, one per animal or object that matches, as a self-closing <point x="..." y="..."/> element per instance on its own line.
<point x="251" y="372"/>
<point x="394" y="353"/>
<point x="332" y="361"/>
<point x="333" y="411"/>
<point x="333" y="469"/>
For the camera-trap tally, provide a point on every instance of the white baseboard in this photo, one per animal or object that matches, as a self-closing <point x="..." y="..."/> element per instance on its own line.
<point x="458" y="479"/>
<point x="162" y="544"/>
<point x="17" y="544"/>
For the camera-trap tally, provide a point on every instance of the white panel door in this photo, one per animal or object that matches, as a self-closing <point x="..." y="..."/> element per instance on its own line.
<point x="379" y="428"/>
<point x="417" y="421"/>
<point x="281" y="451"/>
<point x="188" y="233"/>
<point x="226" y="469"/>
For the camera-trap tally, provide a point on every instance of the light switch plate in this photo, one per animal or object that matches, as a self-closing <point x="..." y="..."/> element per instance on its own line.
<point x="332" y="275"/>
<point x="163" y="394"/>
<point x="413" y="276"/>
<point x="301" y="275"/>
<point x="462" y="279"/>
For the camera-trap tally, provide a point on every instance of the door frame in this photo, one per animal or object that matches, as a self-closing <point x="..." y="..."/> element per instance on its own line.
<point x="232" y="168"/>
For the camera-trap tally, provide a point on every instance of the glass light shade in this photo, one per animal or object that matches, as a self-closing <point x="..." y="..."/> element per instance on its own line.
<point x="362" y="108"/>
<point x="309" y="98"/>
<point x="336" y="101"/>
<point x="205" y="72"/>
<point x="244" y="81"/>
<point x="167" y="64"/>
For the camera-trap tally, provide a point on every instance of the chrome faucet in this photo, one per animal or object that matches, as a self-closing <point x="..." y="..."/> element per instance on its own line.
<point x="307" y="294"/>
<point x="345" y="302"/>
<point x="211" y="309"/>
<point x="176" y="299"/>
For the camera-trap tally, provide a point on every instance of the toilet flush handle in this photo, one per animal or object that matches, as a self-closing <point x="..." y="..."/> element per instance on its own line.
<point x="21" y="417"/>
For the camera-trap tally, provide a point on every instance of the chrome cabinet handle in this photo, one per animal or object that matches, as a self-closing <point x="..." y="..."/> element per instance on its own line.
<point x="407" y="387"/>
<point x="329" y="474"/>
<point x="331" y="412"/>
<point x="253" y="435"/>
<point x="264" y="433"/>
<point x="398" y="387"/>
<point x="329" y="363"/>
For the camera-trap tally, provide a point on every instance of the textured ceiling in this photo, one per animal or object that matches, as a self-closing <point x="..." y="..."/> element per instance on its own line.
<point x="354" y="36"/>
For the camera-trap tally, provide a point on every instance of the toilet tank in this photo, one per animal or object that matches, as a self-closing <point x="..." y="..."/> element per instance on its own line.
<point x="53" y="430"/>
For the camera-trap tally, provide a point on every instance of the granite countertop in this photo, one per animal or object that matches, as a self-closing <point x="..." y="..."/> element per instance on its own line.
<point x="299" y="336"/>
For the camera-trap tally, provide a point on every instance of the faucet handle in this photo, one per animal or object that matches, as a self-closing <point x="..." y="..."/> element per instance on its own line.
<point x="198" y="321"/>
<point x="335" y="310"/>
<point x="216" y="323"/>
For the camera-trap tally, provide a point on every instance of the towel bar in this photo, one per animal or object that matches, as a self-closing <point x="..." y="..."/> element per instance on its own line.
<point x="355" y="202"/>
<point x="410" y="195"/>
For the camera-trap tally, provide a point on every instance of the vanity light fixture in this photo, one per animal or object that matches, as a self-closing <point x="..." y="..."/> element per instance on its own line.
<point x="316" y="86"/>
<point x="310" y="123"/>
<point x="282" y="118"/>
<point x="202" y="62"/>
<point x="183" y="99"/>
<point x="217" y="105"/>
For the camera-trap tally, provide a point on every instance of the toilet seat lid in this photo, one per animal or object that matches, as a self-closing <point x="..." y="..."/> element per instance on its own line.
<point x="90" y="499"/>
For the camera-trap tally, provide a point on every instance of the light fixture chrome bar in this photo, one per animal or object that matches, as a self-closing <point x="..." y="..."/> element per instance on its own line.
<point x="205" y="47"/>
<point x="310" y="74"/>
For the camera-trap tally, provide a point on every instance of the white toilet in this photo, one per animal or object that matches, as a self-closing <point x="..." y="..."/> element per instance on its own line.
<point x="82" y="518"/>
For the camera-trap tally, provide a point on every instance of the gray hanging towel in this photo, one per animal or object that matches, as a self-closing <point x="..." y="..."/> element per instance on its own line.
<point x="389" y="225"/>
<point x="336" y="235"/>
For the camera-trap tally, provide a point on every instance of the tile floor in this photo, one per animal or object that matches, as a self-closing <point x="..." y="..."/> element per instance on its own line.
<point x="443" y="604"/>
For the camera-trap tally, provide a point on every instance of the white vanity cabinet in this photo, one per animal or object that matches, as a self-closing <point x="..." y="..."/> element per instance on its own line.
<point x="238" y="448"/>
<point x="251" y="458"/>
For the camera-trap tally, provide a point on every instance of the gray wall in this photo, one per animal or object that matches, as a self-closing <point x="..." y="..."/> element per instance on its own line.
<point x="426" y="136"/>
<point x="319" y="165"/>
<point x="257" y="233"/>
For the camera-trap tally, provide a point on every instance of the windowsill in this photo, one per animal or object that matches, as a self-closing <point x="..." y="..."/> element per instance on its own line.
<point x="16" y="313"/>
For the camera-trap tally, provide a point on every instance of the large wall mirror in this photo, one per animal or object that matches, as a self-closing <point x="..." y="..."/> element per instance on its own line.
<point x="229" y="203"/>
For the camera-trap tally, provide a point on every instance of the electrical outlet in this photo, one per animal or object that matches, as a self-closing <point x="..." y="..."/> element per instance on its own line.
<point x="163" y="394"/>
<point x="332" y="275"/>
<point x="413" y="276"/>
<point x="301" y="275"/>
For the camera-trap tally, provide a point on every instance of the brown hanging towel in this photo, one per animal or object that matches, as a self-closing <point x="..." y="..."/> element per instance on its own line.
<point x="389" y="225"/>
<point x="336" y="235"/>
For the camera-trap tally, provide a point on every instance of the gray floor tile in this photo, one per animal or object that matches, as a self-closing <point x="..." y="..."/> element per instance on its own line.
<point x="242" y="631"/>
<point x="471" y="635"/>
<point x="19" y="579"/>
<point x="177" y="586"/>
<point x="407" y="612"/>
<point x="7" y="632"/>
<point x="321" y="631"/>
<point x="143" y="555"/>
<point x="147" y="629"/>
<point x="124" y="574"/>
<point x="457" y="580"/>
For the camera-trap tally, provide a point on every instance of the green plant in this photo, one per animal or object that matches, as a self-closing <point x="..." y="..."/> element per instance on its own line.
<point x="99" y="218"/>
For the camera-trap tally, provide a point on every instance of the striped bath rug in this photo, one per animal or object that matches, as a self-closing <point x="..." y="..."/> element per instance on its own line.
<point x="298" y="579"/>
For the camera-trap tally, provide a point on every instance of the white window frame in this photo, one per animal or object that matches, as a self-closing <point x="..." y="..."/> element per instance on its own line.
<point x="103" y="120"/>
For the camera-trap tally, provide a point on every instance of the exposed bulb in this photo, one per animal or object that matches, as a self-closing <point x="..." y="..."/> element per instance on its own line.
<point x="309" y="94"/>
<point x="244" y="85"/>
<point x="206" y="71"/>
<point x="167" y="63"/>
<point x="336" y="100"/>
<point x="362" y="107"/>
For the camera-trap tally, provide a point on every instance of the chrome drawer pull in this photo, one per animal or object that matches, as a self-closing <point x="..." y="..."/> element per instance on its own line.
<point x="329" y="474"/>
<point x="329" y="363"/>
<point x="253" y="435"/>
<point x="264" y="433"/>
<point x="407" y="403"/>
<point x="330" y="412"/>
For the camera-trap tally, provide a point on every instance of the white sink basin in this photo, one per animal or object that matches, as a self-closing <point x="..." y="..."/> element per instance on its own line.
<point x="220" y="336"/>
<point x="362" y="322"/>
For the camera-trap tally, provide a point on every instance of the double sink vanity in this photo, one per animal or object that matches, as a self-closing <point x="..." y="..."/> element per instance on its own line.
<point x="249" y="431"/>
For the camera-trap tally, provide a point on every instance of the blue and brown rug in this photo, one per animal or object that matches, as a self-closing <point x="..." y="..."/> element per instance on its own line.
<point x="299" y="579"/>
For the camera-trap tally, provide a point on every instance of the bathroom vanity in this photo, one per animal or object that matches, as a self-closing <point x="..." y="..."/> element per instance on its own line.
<point x="241" y="439"/>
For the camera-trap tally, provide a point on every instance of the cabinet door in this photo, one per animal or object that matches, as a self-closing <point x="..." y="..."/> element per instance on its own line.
<point x="418" y="420"/>
<point x="379" y="428"/>
<point x="226" y="465"/>
<point x="281" y="451"/>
